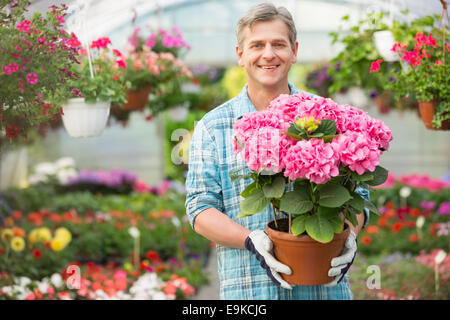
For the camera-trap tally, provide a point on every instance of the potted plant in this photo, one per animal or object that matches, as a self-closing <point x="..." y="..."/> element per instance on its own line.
<point x="358" y="63"/>
<point x="427" y="77"/>
<point x="100" y="83"/>
<point x="146" y="68"/>
<point x="307" y="158"/>
<point x="34" y="57"/>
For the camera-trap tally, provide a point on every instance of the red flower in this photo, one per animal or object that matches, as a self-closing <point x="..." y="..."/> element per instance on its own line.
<point x="397" y="227"/>
<point x="414" y="238"/>
<point x="12" y="132"/>
<point x="366" y="240"/>
<point x="372" y="229"/>
<point x="375" y="65"/>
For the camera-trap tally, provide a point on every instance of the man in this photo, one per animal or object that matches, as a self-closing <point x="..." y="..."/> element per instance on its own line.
<point x="267" y="48"/>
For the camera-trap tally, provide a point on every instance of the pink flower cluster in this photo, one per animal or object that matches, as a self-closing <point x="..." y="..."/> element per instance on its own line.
<point x="261" y="142"/>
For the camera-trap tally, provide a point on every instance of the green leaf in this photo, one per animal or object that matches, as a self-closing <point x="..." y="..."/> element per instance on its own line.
<point x="292" y="135"/>
<point x="366" y="176"/>
<point x="316" y="135"/>
<point x="254" y="203"/>
<point x="333" y="195"/>
<point x="380" y="175"/>
<point x="372" y="208"/>
<point x="249" y="190"/>
<point x="351" y="216"/>
<point x="357" y="202"/>
<point x="298" y="224"/>
<point x="276" y="188"/>
<point x="327" y="127"/>
<point x="319" y="228"/>
<point x="332" y="215"/>
<point x="296" y="202"/>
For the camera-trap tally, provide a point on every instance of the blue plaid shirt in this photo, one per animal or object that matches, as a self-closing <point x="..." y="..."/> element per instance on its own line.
<point x="211" y="157"/>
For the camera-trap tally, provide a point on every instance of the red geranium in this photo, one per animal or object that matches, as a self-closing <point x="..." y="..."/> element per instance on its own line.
<point x="37" y="254"/>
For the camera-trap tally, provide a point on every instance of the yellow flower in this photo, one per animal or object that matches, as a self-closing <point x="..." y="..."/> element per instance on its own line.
<point x="33" y="236"/>
<point x="17" y="244"/>
<point x="44" y="234"/>
<point x="57" y="245"/>
<point x="7" y="235"/>
<point x="63" y="234"/>
<point x="128" y="266"/>
<point x="308" y="123"/>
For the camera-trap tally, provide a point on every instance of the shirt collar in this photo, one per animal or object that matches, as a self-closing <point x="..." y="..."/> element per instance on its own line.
<point x="245" y="105"/>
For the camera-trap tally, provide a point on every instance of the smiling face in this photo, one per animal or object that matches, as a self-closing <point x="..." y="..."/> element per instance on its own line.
<point x="266" y="54"/>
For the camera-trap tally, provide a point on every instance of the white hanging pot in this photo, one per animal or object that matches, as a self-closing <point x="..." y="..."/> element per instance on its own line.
<point x="179" y="113"/>
<point x="384" y="41"/>
<point x="83" y="120"/>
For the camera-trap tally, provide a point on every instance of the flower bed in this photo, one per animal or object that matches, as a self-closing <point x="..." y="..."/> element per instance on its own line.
<point x="96" y="231"/>
<point x="403" y="277"/>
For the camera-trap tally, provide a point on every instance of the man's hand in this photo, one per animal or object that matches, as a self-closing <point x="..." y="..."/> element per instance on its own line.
<point x="341" y="264"/>
<point x="259" y="243"/>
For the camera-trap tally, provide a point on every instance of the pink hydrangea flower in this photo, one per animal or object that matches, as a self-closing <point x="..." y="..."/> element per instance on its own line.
<point x="358" y="151"/>
<point x="266" y="149"/>
<point x="312" y="159"/>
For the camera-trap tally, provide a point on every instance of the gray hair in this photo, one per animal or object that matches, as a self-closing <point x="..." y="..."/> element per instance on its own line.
<point x="266" y="12"/>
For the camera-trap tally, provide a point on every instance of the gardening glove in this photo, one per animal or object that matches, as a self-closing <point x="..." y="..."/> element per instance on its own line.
<point x="259" y="243"/>
<point x="341" y="264"/>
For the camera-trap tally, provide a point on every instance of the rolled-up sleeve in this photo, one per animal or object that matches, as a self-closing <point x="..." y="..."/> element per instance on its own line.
<point x="363" y="191"/>
<point x="203" y="187"/>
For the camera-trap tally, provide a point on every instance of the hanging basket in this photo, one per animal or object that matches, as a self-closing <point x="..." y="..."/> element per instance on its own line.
<point x="426" y="110"/>
<point x="384" y="41"/>
<point x="83" y="120"/>
<point x="137" y="99"/>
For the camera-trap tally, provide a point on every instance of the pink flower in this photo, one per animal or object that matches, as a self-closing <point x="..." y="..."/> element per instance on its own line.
<point x="117" y="53"/>
<point x="101" y="43"/>
<point x="60" y="19"/>
<point x="150" y="41"/>
<point x="266" y="149"/>
<point x="32" y="78"/>
<point x="21" y="88"/>
<point x="438" y="63"/>
<point x="358" y="151"/>
<point x="375" y="66"/>
<point x="24" y="26"/>
<point x="312" y="159"/>
<point x="121" y="64"/>
<point x="13" y="67"/>
<point x="6" y="69"/>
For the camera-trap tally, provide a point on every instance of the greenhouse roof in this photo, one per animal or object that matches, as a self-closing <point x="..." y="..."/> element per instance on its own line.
<point x="209" y="25"/>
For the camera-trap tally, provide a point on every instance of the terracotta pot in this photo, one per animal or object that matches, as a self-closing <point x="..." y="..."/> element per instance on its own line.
<point x="426" y="109"/>
<point x="137" y="99"/>
<point x="308" y="259"/>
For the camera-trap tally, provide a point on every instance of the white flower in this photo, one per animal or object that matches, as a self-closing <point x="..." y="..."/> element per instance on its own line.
<point x="420" y="222"/>
<point x="176" y="222"/>
<point x="24" y="281"/>
<point x="405" y="192"/>
<point x="440" y="257"/>
<point x="57" y="280"/>
<point x="42" y="286"/>
<point x="45" y="168"/>
<point x="65" y="175"/>
<point x="65" y="162"/>
<point x="134" y="232"/>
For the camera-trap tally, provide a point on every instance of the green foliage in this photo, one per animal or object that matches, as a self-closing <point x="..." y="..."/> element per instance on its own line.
<point x="101" y="79"/>
<point x="25" y="54"/>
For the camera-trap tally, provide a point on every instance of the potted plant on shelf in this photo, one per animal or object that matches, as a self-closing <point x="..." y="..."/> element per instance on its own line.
<point x="100" y="83"/>
<point x="34" y="57"/>
<point x="308" y="158"/>
<point x="148" y="63"/>
<point x="360" y="63"/>
<point x="426" y="77"/>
